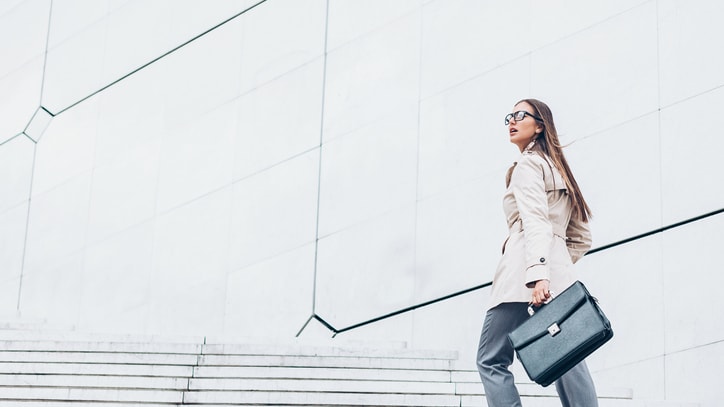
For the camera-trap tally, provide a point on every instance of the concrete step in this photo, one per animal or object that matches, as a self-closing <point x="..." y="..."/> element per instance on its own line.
<point x="324" y="385"/>
<point x="95" y="369"/>
<point x="94" y="395"/>
<point x="536" y="401"/>
<point x="339" y="351"/>
<point x="94" y="381"/>
<point x="478" y="401"/>
<point x="56" y="403"/>
<point x="274" y="372"/>
<point x="100" y="346"/>
<point x="534" y="390"/>
<point x="325" y="361"/>
<point x="111" y="358"/>
<point x="642" y="403"/>
<point x="244" y="398"/>
<point x="77" y="336"/>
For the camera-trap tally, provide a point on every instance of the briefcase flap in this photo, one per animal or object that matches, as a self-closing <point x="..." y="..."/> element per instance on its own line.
<point x="549" y="317"/>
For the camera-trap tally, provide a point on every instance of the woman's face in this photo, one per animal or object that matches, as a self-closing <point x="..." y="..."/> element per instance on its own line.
<point x="523" y="131"/>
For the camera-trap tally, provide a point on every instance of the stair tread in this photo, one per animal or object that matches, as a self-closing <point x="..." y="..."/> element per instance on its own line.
<point x="121" y="382"/>
<point x="99" y="346"/>
<point x="316" y="398"/>
<point x="261" y="372"/>
<point x="324" y="361"/>
<point x="324" y="385"/>
<point x="88" y="394"/>
<point x="324" y="351"/>
<point x="99" y="357"/>
<point x="95" y="369"/>
<point x="73" y="403"/>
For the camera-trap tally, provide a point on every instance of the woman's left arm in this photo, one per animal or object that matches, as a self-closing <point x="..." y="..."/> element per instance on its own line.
<point x="578" y="239"/>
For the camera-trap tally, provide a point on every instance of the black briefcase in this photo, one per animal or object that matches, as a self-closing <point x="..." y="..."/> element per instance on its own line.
<point x="560" y="334"/>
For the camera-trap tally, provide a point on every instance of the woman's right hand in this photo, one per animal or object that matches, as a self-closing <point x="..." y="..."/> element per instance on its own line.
<point x="541" y="292"/>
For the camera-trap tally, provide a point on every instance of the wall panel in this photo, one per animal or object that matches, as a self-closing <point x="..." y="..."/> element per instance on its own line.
<point x="383" y="62"/>
<point x="57" y="224"/>
<point x="692" y="173"/>
<point x="24" y="84"/>
<point x="462" y="131"/>
<point x="625" y="194"/>
<point x="627" y="281"/>
<point x="274" y="211"/>
<point x="686" y="39"/>
<point x="116" y="281"/>
<point x="16" y="172"/>
<point x="465" y="38"/>
<point x="593" y="81"/>
<point x="279" y="120"/>
<point x="272" y="298"/>
<point x="368" y="172"/>
<point x="691" y="282"/>
<point x="367" y="270"/>
<point x="692" y="374"/>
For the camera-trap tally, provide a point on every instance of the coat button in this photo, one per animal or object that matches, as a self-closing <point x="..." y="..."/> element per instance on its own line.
<point x="542" y="259"/>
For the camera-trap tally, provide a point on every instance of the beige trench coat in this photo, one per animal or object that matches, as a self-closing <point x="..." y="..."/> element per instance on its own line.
<point x="543" y="240"/>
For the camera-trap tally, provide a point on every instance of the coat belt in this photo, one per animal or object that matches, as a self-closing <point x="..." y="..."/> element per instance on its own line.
<point x="557" y="229"/>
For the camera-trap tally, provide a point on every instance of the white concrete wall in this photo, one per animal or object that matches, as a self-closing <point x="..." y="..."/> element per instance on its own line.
<point x="346" y="158"/>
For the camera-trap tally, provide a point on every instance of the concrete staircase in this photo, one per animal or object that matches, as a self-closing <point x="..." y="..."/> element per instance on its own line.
<point x="70" y="369"/>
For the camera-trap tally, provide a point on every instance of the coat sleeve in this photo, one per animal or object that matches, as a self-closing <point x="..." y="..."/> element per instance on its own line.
<point x="578" y="240"/>
<point x="528" y="187"/>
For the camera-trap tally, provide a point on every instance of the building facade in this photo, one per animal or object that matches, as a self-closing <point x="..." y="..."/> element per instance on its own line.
<point x="283" y="168"/>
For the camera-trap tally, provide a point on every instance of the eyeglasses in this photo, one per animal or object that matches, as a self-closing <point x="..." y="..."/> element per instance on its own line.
<point x="520" y="115"/>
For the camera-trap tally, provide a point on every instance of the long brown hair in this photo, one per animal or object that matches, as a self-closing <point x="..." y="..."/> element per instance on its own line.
<point x="547" y="144"/>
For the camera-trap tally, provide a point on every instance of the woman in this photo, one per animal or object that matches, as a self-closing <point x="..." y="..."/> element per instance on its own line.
<point x="548" y="232"/>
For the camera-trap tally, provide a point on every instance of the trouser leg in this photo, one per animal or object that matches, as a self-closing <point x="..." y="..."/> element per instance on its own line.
<point x="576" y="389"/>
<point x="495" y="354"/>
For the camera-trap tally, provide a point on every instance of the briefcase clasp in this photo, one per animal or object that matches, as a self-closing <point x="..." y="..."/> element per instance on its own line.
<point x="554" y="329"/>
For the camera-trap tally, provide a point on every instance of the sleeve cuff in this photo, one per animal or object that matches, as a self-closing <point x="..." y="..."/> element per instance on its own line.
<point x="536" y="272"/>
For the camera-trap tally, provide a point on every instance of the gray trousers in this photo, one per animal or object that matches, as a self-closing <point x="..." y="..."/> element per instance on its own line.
<point x="495" y="355"/>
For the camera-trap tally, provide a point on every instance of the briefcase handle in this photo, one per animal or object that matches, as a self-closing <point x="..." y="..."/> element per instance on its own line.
<point x="531" y="310"/>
